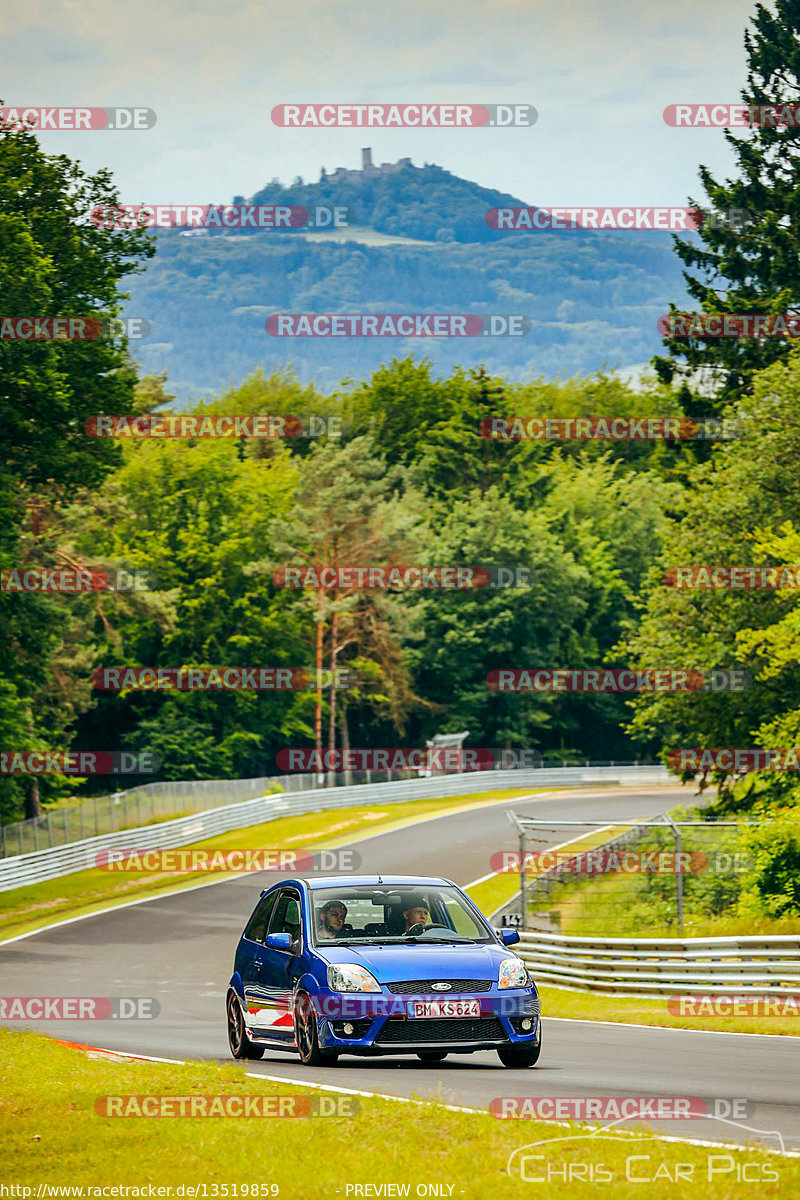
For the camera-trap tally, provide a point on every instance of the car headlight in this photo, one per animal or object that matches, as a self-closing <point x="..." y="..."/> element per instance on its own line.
<point x="349" y="977"/>
<point x="512" y="974"/>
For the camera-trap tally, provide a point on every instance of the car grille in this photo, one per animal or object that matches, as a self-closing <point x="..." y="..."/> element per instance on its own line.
<point x="406" y="986"/>
<point x="441" y="1029"/>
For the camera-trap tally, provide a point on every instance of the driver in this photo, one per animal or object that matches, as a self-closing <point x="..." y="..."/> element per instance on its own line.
<point x="331" y="919"/>
<point x="416" y="914"/>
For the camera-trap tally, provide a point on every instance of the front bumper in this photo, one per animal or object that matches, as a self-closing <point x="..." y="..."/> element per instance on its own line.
<point x="381" y="1024"/>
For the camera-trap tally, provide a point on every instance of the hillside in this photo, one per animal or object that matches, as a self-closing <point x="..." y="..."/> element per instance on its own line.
<point x="420" y="202"/>
<point x="593" y="298"/>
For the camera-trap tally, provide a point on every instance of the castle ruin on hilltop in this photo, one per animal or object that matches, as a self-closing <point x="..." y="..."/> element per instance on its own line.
<point x="367" y="167"/>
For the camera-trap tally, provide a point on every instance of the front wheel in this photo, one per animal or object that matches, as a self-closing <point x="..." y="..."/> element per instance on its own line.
<point x="431" y="1056"/>
<point x="307" y="1035"/>
<point x="239" y="1042"/>
<point x="521" y="1054"/>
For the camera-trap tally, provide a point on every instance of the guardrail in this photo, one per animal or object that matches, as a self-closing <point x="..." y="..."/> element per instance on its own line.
<point x="26" y="869"/>
<point x="134" y="807"/>
<point x="753" y="966"/>
<point x="165" y="800"/>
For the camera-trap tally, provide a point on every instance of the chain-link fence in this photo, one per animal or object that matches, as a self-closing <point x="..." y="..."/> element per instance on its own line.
<point x="145" y="805"/>
<point x="584" y="878"/>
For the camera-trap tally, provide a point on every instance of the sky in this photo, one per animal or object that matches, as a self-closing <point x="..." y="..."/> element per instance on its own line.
<point x="599" y="75"/>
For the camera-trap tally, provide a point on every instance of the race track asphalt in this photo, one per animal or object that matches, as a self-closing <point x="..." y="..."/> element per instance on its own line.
<point x="179" y="950"/>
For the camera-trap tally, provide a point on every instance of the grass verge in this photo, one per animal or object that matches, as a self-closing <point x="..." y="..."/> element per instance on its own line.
<point x="617" y="906"/>
<point x="34" y="907"/>
<point x="50" y="1133"/>
<point x="588" y="1006"/>
<point x="493" y="893"/>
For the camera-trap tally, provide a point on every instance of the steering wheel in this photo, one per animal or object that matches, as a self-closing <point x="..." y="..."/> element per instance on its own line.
<point x="421" y="927"/>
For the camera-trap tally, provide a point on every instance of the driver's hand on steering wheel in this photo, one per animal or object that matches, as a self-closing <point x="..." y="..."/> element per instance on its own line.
<point x="419" y="927"/>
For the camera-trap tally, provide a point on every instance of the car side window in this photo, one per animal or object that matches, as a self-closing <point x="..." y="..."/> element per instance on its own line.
<point x="258" y="924"/>
<point x="286" y="917"/>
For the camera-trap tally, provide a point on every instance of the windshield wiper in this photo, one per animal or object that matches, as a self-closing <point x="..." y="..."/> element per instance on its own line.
<point x="455" y="940"/>
<point x="450" y="941"/>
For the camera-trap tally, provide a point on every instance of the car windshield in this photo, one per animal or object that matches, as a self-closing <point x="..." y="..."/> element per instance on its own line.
<point x="382" y="915"/>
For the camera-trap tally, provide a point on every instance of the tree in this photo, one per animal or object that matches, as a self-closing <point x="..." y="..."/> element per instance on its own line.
<point x="750" y="267"/>
<point x="742" y="507"/>
<point x="456" y="455"/>
<point x="192" y="518"/>
<point x="469" y="633"/>
<point x="53" y="263"/>
<point x="350" y="510"/>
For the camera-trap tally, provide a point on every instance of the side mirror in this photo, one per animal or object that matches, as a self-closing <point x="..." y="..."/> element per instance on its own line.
<point x="509" y="937"/>
<point x="279" y="941"/>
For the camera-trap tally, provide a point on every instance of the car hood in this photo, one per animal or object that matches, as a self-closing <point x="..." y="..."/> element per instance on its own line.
<point x="393" y="963"/>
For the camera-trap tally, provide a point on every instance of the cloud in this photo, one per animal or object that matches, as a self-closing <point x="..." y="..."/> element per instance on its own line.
<point x="599" y="74"/>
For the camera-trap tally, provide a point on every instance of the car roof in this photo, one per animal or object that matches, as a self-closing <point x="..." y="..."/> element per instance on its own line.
<point x="324" y="881"/>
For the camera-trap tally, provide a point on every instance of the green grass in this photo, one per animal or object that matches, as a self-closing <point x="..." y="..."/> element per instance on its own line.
<point x="36" y="906"/>
<point x="618" y="906"/>
<point x="501" y="888"/>
<point x="51" y="1133"/>
<point x="589" y="1006"/>
<point x="612" y="917"/>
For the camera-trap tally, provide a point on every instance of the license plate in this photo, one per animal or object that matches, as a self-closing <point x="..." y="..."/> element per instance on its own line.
<point x="444" y="1008"/>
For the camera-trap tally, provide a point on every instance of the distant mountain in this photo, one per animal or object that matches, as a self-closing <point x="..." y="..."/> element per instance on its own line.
<point x="420" y="202"/>
<point x="593" y="299"/>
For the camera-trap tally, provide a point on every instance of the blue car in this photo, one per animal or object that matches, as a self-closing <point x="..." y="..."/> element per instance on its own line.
<point x="378" y="965"/>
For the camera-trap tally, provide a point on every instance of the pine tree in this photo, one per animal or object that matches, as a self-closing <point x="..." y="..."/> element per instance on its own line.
<point x="750" y="266"/>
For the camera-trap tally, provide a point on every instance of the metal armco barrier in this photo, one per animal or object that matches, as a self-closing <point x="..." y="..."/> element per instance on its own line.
<point x="752" y="966"/>
<point x="26" y="869"/>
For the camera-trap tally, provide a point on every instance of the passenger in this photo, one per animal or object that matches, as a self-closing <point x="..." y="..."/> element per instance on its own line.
<point x="331" y="920"/>
<point x="417" y="914"/>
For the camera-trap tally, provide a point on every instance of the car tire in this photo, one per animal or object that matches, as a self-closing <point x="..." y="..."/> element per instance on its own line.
<point x="521" y="1054"/>
<point x="431" y="1056"/>
<point x="239" y="1042"/>
<point x="306" y="1035"/>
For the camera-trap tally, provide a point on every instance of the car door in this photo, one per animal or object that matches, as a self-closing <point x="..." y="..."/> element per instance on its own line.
<point x="250" y="957"/>
<point x="280" y="968"/>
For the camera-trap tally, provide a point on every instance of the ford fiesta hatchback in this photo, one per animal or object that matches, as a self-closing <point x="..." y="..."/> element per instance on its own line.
<point x="378" y="965"/>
